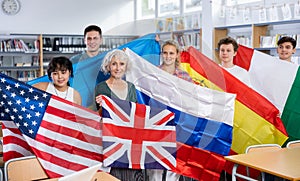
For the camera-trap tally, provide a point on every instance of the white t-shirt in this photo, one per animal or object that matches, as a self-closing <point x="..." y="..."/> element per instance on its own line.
<point x="240" y="74"/>
<point x="68" y="94"/>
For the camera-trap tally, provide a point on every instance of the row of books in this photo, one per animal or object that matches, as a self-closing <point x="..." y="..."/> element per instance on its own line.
<point x="77" y="44"/>
<point x="178" y="23"/>
<point x="20" y="75"/>
<point x="271" y="41"/>
<point x="18" y="45"/>
<point x="10" y="61"/>
<point x="243" y="40"/>
<point x="63" y="44"/>
<point x="187" y="39"/>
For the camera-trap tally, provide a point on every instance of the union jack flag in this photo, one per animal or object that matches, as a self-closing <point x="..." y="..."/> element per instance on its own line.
<point x="137" y="136"/>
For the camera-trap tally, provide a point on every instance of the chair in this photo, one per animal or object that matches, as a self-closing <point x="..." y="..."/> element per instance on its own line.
<point x="293" y="144"/>
<point x="251" y="149"/>
<point x="24" y="168"/>
<point x="102" y="176"/>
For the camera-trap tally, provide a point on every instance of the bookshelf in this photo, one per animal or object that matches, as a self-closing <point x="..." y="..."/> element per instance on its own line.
<point x="258" y="33"/>
<point x="185" y="38"/>
<point x="26" y="56"/>
<point x="20" y="56"/>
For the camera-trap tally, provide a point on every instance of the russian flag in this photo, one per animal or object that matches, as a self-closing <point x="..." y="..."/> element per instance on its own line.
<point x="276" y="80"/>
<point x="203" y="117"/>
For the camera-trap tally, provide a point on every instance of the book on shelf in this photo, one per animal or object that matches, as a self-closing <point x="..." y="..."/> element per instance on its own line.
<point x="196" y="21"/>
<point x="19" y="64"/>
<point x="246" y="41"/>
<point x="267" y="41"/>
<point x="26" y="75"/>
<point x="297" y="10"/>
<point x="271" y="41"/>
<point x="188" y="20"/>
<point x="179" y="23"/>
<point x="169" y="24"/>
<point x="35" y="60"/>
<point x="273" y="11"/>
<point x="246" y="15"/>
<point x="16" y="45"/>
<point x="180" y="39"/>
<point x="159" y="24"/>
<point x="232" y="12"/>
<point x="262" y="15"/>
<point x="286" y="11"/>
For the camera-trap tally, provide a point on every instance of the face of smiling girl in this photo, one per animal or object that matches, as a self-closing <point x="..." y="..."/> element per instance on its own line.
<point x="61" y="77"/>
<point x="169" y="55"/>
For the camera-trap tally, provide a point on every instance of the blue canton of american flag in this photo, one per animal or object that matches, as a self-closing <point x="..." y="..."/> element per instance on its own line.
<point x="64" y="136"/>
<point x="22" y="104"/>
<point x="137" y="136"/>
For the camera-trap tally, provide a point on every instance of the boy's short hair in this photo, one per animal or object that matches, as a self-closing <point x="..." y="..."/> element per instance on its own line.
<point x="227" y="41"/>
<point x="287" y="39"/>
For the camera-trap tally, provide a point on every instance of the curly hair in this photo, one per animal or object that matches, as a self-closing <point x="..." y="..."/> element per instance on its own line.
<point x="227" y="41"/>
<point x="119" y="54"/>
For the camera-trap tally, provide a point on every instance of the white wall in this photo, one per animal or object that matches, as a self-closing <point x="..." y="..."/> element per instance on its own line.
<point x="68" y="16"/>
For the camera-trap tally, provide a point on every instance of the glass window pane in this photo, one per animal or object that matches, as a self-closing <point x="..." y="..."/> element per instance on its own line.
<point x="236" y="2"/>
<point x="168" y="7"/>
<point x="145" y="9"/>
<point x="192" y="5"/>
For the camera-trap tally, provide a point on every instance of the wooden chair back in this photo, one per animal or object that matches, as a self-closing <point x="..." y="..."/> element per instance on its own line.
<point x="263" y="147"/>
<point x="102" y="176"/>
<point x="293" y="144"/>
<point x="24" y="168"/>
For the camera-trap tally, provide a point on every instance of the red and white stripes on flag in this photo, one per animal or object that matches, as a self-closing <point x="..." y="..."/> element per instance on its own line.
<point x="14" y="144"/>
<point x="64" y="136"/>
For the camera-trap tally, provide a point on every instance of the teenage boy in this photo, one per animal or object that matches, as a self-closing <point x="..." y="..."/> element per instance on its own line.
<point x="286" y="48"/>
<point x="227" y="50"/>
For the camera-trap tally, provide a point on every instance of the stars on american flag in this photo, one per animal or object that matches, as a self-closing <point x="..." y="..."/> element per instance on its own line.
<point x="22" y="104"/>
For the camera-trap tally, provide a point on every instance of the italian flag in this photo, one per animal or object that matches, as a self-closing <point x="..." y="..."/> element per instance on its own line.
<point x="256" y="119"/>
<point x="276" y="80"/>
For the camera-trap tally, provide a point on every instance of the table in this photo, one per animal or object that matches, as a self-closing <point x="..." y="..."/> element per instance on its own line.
<point x="284" y="163"/>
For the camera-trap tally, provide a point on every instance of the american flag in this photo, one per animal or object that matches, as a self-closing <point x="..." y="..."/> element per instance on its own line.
<point x="64" y="136"/>
<point x="137" y="136"/>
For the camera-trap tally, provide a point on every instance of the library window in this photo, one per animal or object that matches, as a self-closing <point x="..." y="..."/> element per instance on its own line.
<point x="192" y="6"/>
<point x="168" y="7"/>
<point x="145" y="9"/>
<point x="237" y="2"/>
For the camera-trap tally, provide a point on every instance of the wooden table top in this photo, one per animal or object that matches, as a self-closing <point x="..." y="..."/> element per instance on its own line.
<point x="284" y="163"/>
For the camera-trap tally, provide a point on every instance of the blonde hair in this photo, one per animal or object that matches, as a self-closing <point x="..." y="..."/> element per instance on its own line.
<point x="175" y="44"/>
<point x="119" y="54"/>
